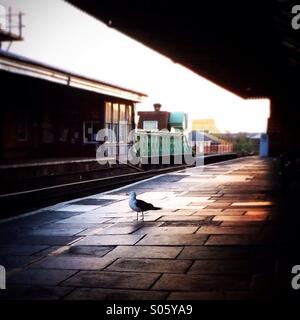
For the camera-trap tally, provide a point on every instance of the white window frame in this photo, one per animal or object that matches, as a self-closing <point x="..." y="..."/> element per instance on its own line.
<point x="152" y="121"/>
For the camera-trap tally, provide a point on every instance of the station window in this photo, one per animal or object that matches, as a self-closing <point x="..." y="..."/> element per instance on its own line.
<point x="90" y="130"/>
<point x="115" y="113"/>
<point x="122" y="112"/>
<point x="129" y="114"/>
<point x="108" y="113"/>
<point x="123" y="132"/>
<point x="122" y="124"/>
<point x="108" y="121"/>
<point x="118" y="118"/>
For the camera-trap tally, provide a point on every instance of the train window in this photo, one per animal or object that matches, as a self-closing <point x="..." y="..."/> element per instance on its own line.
<point x="150" y="125"/>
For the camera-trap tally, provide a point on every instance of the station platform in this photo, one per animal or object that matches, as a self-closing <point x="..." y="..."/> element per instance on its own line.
<point x="217" y="237"/>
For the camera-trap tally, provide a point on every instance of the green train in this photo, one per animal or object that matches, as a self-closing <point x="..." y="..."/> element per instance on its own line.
<point x="161" y="145"/>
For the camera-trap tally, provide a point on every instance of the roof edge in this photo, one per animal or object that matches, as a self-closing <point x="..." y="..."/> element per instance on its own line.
<point x="66" y="77"/>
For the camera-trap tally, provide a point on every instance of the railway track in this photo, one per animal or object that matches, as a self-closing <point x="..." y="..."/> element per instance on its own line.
<point x="20" y="201"/>
<point x="13" y="203"/>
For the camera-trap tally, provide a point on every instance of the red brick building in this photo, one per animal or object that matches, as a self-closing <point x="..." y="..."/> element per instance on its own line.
<point x="159" y="120"/>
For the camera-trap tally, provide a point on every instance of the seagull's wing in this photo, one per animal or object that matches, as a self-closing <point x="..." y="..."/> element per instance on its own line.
<point x="145" y="206"/>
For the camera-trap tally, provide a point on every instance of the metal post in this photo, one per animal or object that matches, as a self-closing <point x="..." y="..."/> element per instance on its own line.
<point x="20" y="24"/>
<point x="9" y="19"/>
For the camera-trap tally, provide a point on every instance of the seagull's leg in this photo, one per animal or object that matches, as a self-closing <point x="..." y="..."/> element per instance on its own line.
<point x="137" y="216"/>
<point x="143" y="215"/>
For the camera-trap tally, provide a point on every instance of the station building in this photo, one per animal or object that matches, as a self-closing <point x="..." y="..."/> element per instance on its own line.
<point x="47" y="112"/>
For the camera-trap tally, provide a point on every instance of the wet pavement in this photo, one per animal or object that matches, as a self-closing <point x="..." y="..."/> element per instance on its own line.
<point x="215" y="238"/>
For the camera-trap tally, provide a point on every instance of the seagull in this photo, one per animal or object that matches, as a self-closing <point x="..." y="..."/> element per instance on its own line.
<point x="140" y="205"/>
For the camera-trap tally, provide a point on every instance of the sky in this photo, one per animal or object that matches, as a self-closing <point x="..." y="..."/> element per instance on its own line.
<point x="61" y="35"/>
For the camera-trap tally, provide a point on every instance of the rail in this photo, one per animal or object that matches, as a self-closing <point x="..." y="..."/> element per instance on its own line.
<point x="16" y="202"/>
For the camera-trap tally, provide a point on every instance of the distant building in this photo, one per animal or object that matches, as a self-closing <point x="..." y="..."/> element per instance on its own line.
<point x="205" y="125"/>
<point x="208" y="144"/>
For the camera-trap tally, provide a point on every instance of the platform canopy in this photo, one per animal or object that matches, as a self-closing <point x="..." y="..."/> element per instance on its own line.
<point x="249" y="47"/>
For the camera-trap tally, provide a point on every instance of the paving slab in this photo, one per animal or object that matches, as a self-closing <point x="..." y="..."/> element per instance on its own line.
<point x="253" y="203"/>
<point x="186" y="282"/>
<point x="261" y="217"/>
<point x="167" y="230"/>
<point x="190" y="223"/>
<point x="173" y="239"/>
<point x="182" y="218"/>
<point x="97" y="251"/>
<point x="41" y="218"/>
<point x="242" y="223"/>
<point x="211" y="253"/>
<point x="78" y="208"/>
<point x="110" y="240"/>
<point x="227" y="230"/>
<point x="119" y="229"/>
<point x="102" y="279"/>
<point x="92" y="202"/>
<point x="150" y="265"/>
<point x="40" y="277"/>
<point x="238" y="240"/>
<point x="240" y="266"/>
<point x="94" y="230"/>
<point x="14" y="261"/>
<point x="54" y="231"/>
<point x="51" y="250"/>
<point x="163" y="252"/>
<point x="38" y="240"/>
<point x="216" y="212"/>
<point x="72" y="263"/>
<point x="21" y="250"/>
<point x="91" y="219"/>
